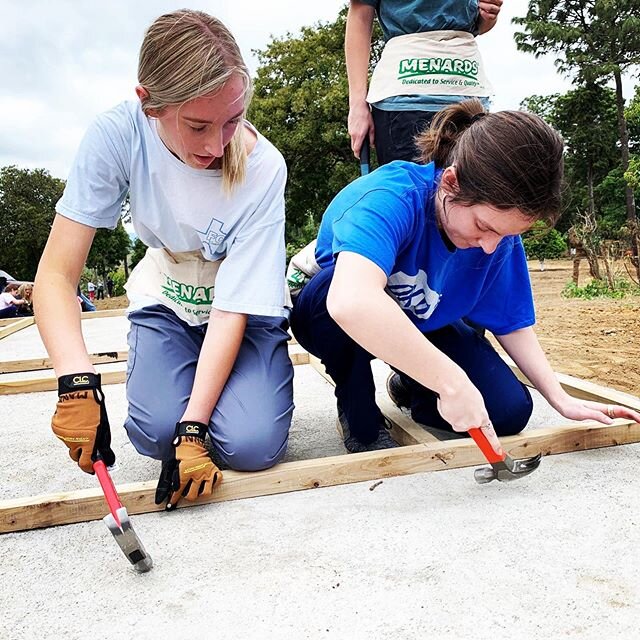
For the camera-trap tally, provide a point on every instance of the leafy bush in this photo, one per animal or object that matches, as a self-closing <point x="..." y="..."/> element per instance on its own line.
<point x="302" y="236"/>
<point x="119" y="281"/>
<point x="543" y="242"/>
<point x="599" y="289"/>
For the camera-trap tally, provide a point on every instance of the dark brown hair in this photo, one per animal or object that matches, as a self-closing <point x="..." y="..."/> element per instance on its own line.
<point x="507" y="159"/>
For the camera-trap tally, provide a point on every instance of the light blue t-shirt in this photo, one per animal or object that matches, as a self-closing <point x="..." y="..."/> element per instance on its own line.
<point x="389" y="218"/>
<point x="185" y="209"/>
<point x="398" y="18"/>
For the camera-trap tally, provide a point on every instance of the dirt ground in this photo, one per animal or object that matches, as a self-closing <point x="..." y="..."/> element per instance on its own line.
<point x="596" y="340"/>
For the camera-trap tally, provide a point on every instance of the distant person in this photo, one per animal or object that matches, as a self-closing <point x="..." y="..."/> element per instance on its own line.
<point x="406" y="252"/>
<point x="100" y="290"/>
<point x="430" y="60"/>
<point x="10" y="303"/>
<point x="199" y="362"/>
<point x="109" y="287"/>
<point x="91" y="290"/>
<point x="85" y="303"/>
<point x="25" y="292"/>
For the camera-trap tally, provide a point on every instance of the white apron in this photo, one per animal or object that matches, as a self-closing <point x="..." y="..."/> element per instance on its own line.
<point x="430" y="63"/>
<point x="184" y="282"/>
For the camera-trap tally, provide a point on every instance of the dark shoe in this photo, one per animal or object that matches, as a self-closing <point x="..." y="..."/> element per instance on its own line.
<point x="399" y="394"/>
<point x="353" y="445"/>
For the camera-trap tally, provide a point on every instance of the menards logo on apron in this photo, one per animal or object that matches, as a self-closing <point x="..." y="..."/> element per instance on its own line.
<point x="435" y="62"/>
<point x="417" y="70"/>
<point x="183" y="282"/>
<point x="186" y="293"/>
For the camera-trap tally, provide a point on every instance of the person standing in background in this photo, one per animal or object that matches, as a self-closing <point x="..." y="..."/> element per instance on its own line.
<point x="430" y="60"/>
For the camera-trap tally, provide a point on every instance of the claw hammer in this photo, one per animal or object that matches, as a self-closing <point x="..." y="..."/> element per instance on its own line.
<point x="119" y="523"/>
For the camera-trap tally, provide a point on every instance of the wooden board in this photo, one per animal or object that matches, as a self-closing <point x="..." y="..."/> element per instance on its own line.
<point x="16" y="325"/>
<point x="584" y="389"/>
<point x="105" y="313"/>
<point x="35" y="364"/>
<point x="81" y="506"/>
<point x="50" y="383"/>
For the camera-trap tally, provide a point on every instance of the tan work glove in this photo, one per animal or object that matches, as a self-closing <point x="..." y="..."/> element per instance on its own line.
<point x="191" y="472"/>
<point x="81" y="421"/>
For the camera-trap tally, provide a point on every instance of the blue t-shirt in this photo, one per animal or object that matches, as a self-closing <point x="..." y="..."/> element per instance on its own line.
<point x="399" y="18"/>
<point x="389" y="218"/>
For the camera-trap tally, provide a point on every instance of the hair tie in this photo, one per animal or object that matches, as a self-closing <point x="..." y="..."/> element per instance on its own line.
<point x="477" y="117"/>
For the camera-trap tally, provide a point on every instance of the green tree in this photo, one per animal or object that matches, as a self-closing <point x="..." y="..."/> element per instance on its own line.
<point x="301" y="105"/>
<point x="110" y="248"/>
<point x="139" y="249"/>
<point x="594" y="40"/>
<point x="27" y="208"/>
<point x="586" y="117"/>
<point x="543" y="242"/>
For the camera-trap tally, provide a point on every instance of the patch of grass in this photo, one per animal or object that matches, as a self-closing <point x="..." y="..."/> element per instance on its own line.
<point x="600" y="289"/>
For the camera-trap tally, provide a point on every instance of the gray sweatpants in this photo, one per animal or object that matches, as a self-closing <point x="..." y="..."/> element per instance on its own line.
<point x="250" y="423"/>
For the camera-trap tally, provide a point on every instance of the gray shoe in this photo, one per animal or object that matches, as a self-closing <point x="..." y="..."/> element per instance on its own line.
<point x="353" y="445"/>
<point x="399" y="394"/>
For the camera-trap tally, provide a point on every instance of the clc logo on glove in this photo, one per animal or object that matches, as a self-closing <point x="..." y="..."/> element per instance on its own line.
<point x="192" y="428"/>
<point x="80" y="380"/>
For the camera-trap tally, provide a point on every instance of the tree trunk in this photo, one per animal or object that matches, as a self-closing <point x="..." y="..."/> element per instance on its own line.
<point x="576" y="269"/>
<point x="630" y="203"/>
<point x="126" y="270"/>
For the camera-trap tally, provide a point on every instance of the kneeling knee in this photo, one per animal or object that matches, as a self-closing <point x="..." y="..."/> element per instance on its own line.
<point x="515" y="417"/>
<point x="154" y="443"/>
<point x="256" y="449"/>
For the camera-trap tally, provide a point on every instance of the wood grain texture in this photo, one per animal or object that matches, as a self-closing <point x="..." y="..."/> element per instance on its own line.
<point x="81" y="506"/>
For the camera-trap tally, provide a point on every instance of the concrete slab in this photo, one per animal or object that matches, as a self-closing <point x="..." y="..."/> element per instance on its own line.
<point x="427" y="556"/>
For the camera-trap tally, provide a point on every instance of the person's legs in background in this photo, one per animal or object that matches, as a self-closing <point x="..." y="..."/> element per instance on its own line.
<point x="395" y="132"/>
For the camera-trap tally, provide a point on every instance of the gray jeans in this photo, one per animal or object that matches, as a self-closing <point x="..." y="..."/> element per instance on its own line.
<point x="250" y="423"/>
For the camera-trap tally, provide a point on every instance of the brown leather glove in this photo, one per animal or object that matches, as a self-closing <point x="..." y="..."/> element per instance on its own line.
<point x="81" y="421"/>
<point x="191" y="472"/>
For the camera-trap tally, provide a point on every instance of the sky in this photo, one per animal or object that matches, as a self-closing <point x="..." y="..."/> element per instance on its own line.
<point x="63" y="62"/>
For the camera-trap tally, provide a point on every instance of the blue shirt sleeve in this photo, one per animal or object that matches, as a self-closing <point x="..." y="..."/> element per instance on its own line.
<point x="377" y="227"/>
<point x="506" y="303"/>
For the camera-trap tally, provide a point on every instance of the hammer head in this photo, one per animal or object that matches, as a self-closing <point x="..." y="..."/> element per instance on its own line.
<point x="128" y="540"/>
<point x="508" y="469"/>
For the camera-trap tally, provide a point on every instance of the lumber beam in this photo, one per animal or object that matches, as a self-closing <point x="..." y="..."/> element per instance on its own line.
<point x="584" y="389"/>
<point x="50" y="383"/>
<point x="81" y="506"/>
<point x="35" y="364"/>
<point x="17" y="325"/>
<point x="85" y="315"/>
<point x="104" y="313"/>
<point x="7" y="321"/>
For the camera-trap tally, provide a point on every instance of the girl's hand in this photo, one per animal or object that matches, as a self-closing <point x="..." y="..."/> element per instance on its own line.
<point x="360" y="125"/>
<point x="489" y="7"/>
<point x="576" y="409"/>
<point x="464" y="409"/>
<point x="488" y="11"/>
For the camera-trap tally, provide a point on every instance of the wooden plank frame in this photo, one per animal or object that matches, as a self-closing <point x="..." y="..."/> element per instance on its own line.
<point x="17" y="325"/>
<point x="9" y="326"/>
<point x="421" y="453"/>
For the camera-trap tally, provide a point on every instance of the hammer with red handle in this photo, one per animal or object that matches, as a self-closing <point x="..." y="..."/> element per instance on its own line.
<point x="119" y="523"/>
<point x="503" y="467"/>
